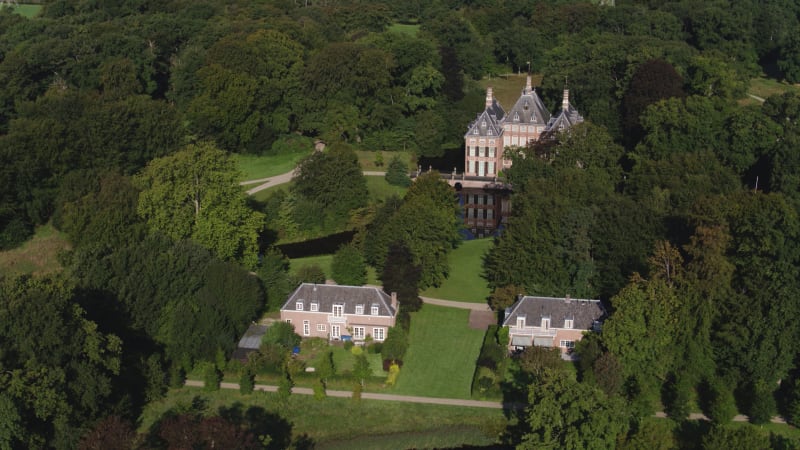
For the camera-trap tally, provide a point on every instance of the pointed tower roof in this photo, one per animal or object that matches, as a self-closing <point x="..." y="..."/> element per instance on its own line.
<point x="567" y="117"/>
<point x="489" y="122"/>
<point x="529" y="108"/>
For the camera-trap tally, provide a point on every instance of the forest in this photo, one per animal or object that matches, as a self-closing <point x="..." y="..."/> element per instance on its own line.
<point x="675" y="203"/>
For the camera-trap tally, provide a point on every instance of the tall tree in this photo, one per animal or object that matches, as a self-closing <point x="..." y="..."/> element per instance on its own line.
<point x="194" y="194"/>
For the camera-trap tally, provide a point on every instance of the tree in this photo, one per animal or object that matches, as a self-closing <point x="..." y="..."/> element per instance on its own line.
<point x="348" y="266"/>
<point x="194" y="194"/>
<point x="397" y="172"/>
<point x="652" y="81"/>
<point x="361" y="370"/>
<point x="401" y="275"/>
<point x="111" y="432"/>
<point x="395" y="345"/>
<point x="566" y="414"/>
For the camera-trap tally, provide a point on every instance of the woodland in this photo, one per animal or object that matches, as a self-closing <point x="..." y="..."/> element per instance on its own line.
<point x="675" y="203"/>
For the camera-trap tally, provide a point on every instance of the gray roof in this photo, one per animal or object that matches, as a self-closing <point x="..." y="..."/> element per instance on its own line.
<point x="564" y="119"/>
<point x="252" y="337"/>
<point x="487" y="123"/>
<point x="583" y="313"/>
<point x="529" y="109"/>
<point x="326" y="295"/>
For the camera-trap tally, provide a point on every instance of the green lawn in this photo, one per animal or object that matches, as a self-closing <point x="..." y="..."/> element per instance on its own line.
<point x="255" y="167"/>
<point x="765" y="87"/>
<point x="341" y="421"/>
<point x="366" y="159"/>
<point x="28" y="11"/>
<point x="36" y="256"/>
<point x="441" y="356"/>
<point x="465" y="282"/>
<point x="506" y="89"/>
<point x="380" y="190"/>
<point x="411" y="30"/>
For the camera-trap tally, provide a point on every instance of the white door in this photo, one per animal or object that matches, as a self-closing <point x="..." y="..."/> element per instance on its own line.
<point x="335" y="332"/>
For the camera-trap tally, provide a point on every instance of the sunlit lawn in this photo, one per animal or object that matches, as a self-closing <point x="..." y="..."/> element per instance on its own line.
<point x="380" y="189"/>
<point x="465" y="282"/>
<point x="39" y="255"/>
<point x="338" y="419"/>
<point x="324" y="262"/>
<point x="403" y="28"/>
<point x="765" y="87"/>
<point x="27" y="10"/>
<point x="442" y="353"/>
<point x="367" y="159"/>
<point x="506" y="89"/>
<point x="255" y="167"/>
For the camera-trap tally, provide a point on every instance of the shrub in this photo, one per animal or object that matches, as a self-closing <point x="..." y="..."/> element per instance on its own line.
<point x="720" y="405"/>
<point x="396" y="344"/>
<point x="387" y="363"/>
<point x="397" y="172"/>
<point x="211" y="376"/>
<point x="319" y="390"/>
<point x="375" y="348"/>
<point x="356" y="350"/>
<point x="394" y="372"/>
<point x="281" y="333"/>
<point x="763" y="404"/>
<point x="348" y="345"/>
<point x="177" y="377"/>
<point x="247" y="381"/>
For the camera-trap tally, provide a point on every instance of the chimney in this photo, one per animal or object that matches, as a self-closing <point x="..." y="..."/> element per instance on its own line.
<point x="528" y="86"/>
<point x="567" y="299"/>
<point x="489" y="98"/>
<point x="565" y="102"/>
<point x="394" y="300"/>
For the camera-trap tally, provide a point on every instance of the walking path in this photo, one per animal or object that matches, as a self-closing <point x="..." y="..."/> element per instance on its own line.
<point x="454" y="304"/>
<point x="367" y="395"/>
<point x="755" y="97"/>
<point x="267" y="183"/>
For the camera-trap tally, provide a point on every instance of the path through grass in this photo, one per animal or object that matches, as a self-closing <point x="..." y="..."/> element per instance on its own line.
<point x="254" y="167"/>
<point x="465" y="283"/>
<point x="441" y="356"/>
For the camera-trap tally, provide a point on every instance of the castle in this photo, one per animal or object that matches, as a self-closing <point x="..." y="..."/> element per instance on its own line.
<point x="494" y="130"/>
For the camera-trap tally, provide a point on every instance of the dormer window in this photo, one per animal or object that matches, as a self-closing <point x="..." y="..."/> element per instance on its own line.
<point x="520" y="321"/>
<point x="475" y="130"/>
<point x="516" y="117"/>
<point x="545" y="323"/>
<point x="359" y="309"/>
<point x="568" y="323"/>
<point x="483" y="124"/>
<point x="489" y="131"/>
<point x="298" y="306"/>
<point x="374" y="310"/>
<point x="314" y="307"/>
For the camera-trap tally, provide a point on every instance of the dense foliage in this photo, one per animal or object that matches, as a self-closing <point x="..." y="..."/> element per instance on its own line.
<point x="117" y="120"/>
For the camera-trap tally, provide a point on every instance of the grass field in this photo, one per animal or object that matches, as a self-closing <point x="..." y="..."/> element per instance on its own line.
<point x="380" y="190"/>
<point x="28" y="11"/>
<point x="256" y="167"/>
<point x="343" y="423"/>
<point x="506" y="89"/>
<point x="37" y="256"/>
<point x="465" y="283"/>
<point x="366" y="159"/>
<point x="765" y="87"/>
<point x="441" y="355"/>
<point x="411" y="30"/>
<point x="324" y="262"/>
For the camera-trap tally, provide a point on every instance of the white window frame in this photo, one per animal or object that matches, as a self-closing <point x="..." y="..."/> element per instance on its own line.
<point x="359" y="309"/>
<point x="520" y="322"/>
<point x="338" y="310"/>
<point x="298" y="306"/>
<point x="359" y="333"/>
<point x="374" y="310"/>
<point x="288" y="320"/>
<point x="306" y="328"/>
<point x="545" y="323"/>
<point x="379" y="334"/>
<point x="336" y="332"/>
<point x="314" y="307"/>
<point x="568" y="323"/>
<point x="566" y="343"/>
<point x="322" y="327"/>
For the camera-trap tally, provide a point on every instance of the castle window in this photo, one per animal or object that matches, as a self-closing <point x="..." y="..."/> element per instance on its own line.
<point x="516" y="117"/>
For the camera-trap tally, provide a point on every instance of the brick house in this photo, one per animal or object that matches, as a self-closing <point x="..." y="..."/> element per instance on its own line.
<point x="338" y="312"/>
<point x="494" y="130"/>
<point x="551" y="322"/>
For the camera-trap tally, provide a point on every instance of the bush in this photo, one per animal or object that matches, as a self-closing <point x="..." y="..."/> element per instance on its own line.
<point x="356" y="350"/>
<point x="387" y="364"/>
<point x="397" y="172"/>
<point x="375" y="348"/>
<point x="211" y="377"/>
<point x="763" y="404"/>
<point x="319" y="390"/>
<point x="177" y="377"/>
<point x="396" y="344"/>
<point x="718" y="401"/>
<point x="282" y="333"/>
<point x="348" y="345"/>
<point x="247" y="381"/>
<point x="394" y="372"/>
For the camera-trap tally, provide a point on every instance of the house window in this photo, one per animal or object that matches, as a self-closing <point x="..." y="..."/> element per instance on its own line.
<point x="374" y="310"/>
<point x="521" y="322"/>
<point x="359" y="309"/>
<point x="314" y="307"/>
<point x="545" y="323"/>
<point x="336" y="332"/>
<point x="491" y="152"/>
<point x="567" y="323"/>
<point x="306" y="328"/>
<point x="298" y="306"/>
<point x="358" y="332"/>
<point x="379" y="334"/>
<point x="288" y="320"/>
<point x="567" y="344"/>
<point x="338" y="310"/>
<point x="516" y="117"/>
<point x="321" y="327"/>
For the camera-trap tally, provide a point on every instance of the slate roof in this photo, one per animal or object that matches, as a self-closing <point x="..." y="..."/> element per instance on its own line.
<point x="491" y="121"/>
<point x="529" y="109"/>
<point x="567" y="117"/>
<point x="583" y="313"/>
<point x="326" y="295"/>
<point x="252" y="337"/>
